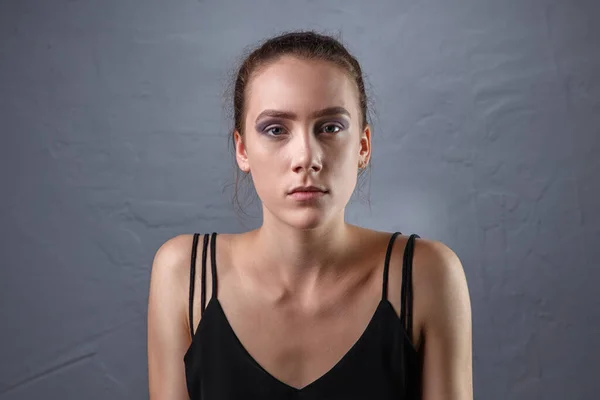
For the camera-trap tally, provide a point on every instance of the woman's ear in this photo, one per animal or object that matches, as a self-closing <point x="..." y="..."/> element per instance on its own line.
<point x="240" y="152"/>
<point x="364" y="153"/>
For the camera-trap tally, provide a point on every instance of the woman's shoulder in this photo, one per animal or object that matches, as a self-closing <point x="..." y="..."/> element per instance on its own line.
<point x="177" y="250"/>
<point x="173" y="258"/>
<point x="171" y="262"/>
<point x="174" y="251"/>
<point x="437" y="278"/>
<point x="435" y="266"/>
<point x="430" y="254"/>
<point x="433" y="253"/>
<point x="442" y="302"/>
<point x="433" y="262"/>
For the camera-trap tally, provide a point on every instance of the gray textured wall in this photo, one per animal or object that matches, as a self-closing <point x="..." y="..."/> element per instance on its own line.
<point x="114" y="139"/>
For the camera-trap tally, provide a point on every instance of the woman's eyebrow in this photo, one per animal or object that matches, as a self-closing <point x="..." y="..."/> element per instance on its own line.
<point x="293" y="116"/>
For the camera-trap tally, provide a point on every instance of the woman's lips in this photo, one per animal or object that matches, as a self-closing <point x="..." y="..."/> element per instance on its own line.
<point x="300" y="195"/>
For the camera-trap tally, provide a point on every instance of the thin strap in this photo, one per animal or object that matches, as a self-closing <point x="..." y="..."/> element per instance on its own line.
<point x="213" y="262"/>
<point x="203" y="293"/>
<point x="192" y="275"/>
<point x="406" y="291"/>
<point x="386" y="265"/>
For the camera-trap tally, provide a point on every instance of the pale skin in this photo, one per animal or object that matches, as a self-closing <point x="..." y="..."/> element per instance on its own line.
<point x="311" y="279"/>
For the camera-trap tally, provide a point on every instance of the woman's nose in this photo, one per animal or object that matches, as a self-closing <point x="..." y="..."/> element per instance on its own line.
<point x="306" y="154"/>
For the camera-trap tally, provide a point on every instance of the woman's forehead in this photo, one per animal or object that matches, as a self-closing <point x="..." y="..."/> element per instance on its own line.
<point x="301" y="86"/>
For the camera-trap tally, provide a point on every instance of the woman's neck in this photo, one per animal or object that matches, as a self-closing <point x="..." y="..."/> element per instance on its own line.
<point x="299" y="261"/>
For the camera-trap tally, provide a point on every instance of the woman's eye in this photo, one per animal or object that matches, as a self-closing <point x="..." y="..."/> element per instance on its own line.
<point x="328" y="128"/>
<point x="274" y="131"/>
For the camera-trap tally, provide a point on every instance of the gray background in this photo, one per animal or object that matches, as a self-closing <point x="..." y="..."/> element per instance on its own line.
<point x="114" y="139"/>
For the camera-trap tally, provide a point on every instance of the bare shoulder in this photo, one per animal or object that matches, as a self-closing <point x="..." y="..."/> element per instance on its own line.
<point x="436" y="259"/>
<point x="170" y="273"/>
<point x="439" y="274"/>
<point x="175" y="247"/>
<point x="439" y="286"/>
<point x="443" y="307"/>
<point x="168" y="335"/>
<point x="172" y="259"/>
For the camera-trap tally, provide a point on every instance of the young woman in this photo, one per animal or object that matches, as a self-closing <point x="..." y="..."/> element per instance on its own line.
<point x="307" y="306"/>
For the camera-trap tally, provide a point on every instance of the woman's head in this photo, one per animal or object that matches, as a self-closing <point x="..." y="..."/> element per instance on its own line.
<point x="300" y="119"/>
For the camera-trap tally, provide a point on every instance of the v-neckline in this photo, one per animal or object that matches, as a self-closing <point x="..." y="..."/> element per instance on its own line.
<point x="322" y="377"/>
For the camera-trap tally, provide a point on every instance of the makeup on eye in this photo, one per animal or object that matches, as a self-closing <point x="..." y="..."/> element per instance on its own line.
<point x="267" y="127"/>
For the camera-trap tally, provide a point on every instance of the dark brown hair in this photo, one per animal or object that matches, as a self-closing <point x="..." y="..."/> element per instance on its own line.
<point x="308" y="45"/>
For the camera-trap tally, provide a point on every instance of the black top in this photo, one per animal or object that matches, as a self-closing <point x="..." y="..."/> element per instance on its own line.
<point x="382" y="364"/>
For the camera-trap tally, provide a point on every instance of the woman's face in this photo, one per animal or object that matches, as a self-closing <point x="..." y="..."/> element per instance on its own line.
<point x="302" y="128"/>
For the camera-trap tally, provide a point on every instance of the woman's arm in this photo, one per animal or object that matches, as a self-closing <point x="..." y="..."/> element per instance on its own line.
<point x="447" y="347"/>
<point x="168" y="332"/>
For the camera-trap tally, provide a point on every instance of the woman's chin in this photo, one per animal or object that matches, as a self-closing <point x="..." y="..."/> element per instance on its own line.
<point x="307" y="219"/>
